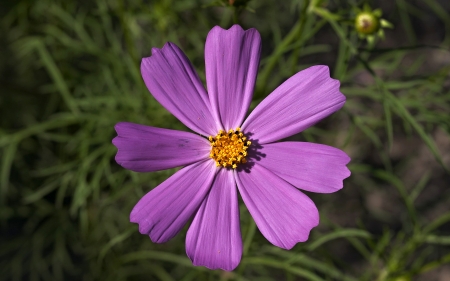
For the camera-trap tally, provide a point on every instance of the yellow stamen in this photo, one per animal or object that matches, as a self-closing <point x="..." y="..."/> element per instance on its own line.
<point x="228" y="149"/>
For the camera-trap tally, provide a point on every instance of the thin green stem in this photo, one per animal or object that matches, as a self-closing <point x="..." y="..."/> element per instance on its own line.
<point x="293" y="35"/>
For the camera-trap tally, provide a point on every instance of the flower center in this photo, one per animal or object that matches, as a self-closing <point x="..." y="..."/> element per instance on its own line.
<point x="229" y="149"/>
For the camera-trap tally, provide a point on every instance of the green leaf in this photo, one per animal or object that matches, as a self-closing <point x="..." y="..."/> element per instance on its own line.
<point x="340" y="233"/>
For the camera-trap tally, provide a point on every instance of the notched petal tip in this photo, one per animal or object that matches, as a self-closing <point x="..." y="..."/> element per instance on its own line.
<point x="238" y="28"/>
<point x="288" y="245"/>
<point x="231" y="66"/>
<point x="145" y="229"/>
<point x="345" y="161"/>
<point x="293" y="244"/>
<point x="321" y="67"/>
<point x="144" y="225"/>
<point x="218" y="28"/>
<point x="347" y="174"/>
<point x="336" y="82"/>
<point x="346" y="157"/>
<point x="115" y="141"/>
<point x="155" y="50"/>
<point x="312" y="167"/>
<point x="119" y="126"/>
<point x="326" y="69"/>
<point x="234" y="28"/>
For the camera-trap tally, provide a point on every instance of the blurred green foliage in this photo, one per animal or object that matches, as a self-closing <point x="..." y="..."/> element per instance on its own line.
<point x="70" y="71"/>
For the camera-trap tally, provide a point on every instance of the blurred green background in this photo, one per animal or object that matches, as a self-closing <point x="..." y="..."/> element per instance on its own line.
<point x="70" y="71"/>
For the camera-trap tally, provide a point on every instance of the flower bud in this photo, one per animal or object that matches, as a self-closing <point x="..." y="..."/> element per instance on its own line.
<point x="367" y="23"/>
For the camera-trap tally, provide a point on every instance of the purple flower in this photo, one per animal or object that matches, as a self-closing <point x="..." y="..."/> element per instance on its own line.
<point x="228" y="152"/>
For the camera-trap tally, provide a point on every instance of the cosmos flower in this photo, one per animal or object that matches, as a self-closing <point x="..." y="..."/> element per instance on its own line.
<point x="226" y="153"/>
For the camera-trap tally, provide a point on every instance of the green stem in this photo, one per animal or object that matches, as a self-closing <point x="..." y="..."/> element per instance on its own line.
<point x="293" y="35"/>
<point x="297" y="50"/>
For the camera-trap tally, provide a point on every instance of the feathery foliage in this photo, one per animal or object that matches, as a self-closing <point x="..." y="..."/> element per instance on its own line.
<point x="70" y="71"/>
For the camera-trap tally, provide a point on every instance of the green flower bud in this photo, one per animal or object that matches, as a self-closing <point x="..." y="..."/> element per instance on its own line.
<point x="367" y="23"/>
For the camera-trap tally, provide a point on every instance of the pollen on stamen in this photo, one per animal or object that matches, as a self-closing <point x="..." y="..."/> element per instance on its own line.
<point x="229" y="149"/>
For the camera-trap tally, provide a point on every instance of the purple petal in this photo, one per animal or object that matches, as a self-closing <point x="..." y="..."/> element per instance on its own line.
<point x="232" y="60"/>
<point x="309" y="166"/>
<point x="214" y="238"/>
<point x="298" y="103"/>
<point x="154" y="50"/>
<point x="172" y="80"/>
<point x="147" y="149"/>
<point x="163" y="212"/>
<point x="283" y="214"/>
